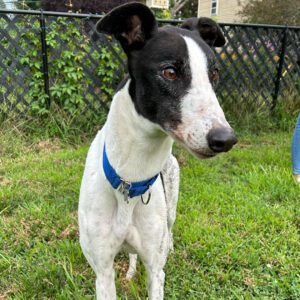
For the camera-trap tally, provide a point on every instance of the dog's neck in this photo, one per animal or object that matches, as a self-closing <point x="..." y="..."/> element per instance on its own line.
<point x="136" y="148"/>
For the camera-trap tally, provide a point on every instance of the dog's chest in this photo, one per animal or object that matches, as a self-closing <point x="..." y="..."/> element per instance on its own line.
<point x="139" y="221"/>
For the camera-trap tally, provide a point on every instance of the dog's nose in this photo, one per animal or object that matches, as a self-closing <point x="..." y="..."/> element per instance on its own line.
<point x="221" y="139"/>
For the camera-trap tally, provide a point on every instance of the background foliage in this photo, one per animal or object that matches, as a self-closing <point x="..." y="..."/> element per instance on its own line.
<point x="84" y="70"/>
<point x="66" y="66"/>
<point x="183" y="8"/>
<point x="280" y="12"/>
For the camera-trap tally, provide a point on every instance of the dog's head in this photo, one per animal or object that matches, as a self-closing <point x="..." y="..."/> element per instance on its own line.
<point x="173" y="75"/>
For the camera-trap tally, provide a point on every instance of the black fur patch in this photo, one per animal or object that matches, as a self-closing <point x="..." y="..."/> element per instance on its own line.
<point x="157" y="98"/>
<point x="151" y="50"/>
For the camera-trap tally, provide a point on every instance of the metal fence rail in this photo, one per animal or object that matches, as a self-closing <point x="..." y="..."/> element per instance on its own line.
<point x="260" y="63"/>
<point x="50" y="57"/>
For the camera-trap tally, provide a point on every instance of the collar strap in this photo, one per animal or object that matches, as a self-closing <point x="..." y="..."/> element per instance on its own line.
<point x="132" y="189"/>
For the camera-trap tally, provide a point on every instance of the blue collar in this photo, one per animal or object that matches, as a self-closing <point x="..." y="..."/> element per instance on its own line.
<point x="130" y="189"/>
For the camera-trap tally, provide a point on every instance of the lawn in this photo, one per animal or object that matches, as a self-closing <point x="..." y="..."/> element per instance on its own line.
<point x="236" y="234"/>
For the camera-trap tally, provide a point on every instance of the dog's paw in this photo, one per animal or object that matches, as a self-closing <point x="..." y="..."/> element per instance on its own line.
<point x="130" y="274"/>
<point x="297" y="177"/>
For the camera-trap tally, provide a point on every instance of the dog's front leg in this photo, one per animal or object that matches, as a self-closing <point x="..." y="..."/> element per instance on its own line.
<point x="100" y="245"/>
<point x="101" y="255"/>
<point x="156" y="279"/>
<point x="105" y="284"/>
<point x="155" y="261"/>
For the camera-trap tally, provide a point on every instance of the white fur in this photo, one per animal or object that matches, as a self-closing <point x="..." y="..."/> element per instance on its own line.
<point x="200" y="108"/>
<point x="138" y="150"/>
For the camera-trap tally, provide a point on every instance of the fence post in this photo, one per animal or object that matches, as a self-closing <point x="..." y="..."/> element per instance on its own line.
<point x="279" y="69"/>
<point x="45" y="57"/>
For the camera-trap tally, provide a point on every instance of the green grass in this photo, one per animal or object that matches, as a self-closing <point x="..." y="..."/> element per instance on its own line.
<point x="236" y="234"/>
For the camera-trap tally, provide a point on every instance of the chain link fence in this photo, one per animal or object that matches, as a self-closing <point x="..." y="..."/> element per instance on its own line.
<point x="49" y="58"/>
<point x="260" y="65"/>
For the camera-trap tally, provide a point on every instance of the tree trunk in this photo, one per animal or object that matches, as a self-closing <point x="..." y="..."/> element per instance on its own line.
<point x="178" y="5"/>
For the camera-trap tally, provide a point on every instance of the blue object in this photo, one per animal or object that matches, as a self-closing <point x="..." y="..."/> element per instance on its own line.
<point x="296" y="148"/>
<point x="132" y="189"/>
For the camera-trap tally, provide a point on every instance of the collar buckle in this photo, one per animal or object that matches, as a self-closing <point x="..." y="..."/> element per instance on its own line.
<point x="124" y="189"/>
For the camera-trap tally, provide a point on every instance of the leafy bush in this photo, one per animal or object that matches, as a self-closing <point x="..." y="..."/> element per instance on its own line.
<point x="71" y="55"/>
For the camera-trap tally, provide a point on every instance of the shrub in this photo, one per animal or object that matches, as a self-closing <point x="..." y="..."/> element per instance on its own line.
<point x="71" y="55"/>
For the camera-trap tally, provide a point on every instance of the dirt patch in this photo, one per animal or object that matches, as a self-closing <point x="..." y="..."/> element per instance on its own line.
<point x="5" y="295"/>
<point x="48" y="146"/>
<point x="249" y="281"/>
<point x="4" y="182"/>
<point x="122" y="265"/>
<point x="244" y="145"/>
<point x="71" y="231"/>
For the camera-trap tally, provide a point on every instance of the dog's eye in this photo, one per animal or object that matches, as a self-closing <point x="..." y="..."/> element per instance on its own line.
<point x="215" y="75"/>
<point x="169" y="73"/>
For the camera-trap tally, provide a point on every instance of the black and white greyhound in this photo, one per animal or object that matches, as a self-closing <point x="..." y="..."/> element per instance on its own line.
<point x="130" y="185"/>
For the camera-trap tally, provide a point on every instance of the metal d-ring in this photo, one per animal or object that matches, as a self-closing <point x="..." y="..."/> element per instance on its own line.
<point x="149" y="196"/>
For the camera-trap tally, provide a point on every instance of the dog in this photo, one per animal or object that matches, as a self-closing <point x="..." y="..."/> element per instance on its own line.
<point x="130" y="185"/>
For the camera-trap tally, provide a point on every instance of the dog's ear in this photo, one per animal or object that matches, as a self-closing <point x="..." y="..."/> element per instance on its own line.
<point x="208" y="29"/>
<point x="132" y="24"/>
